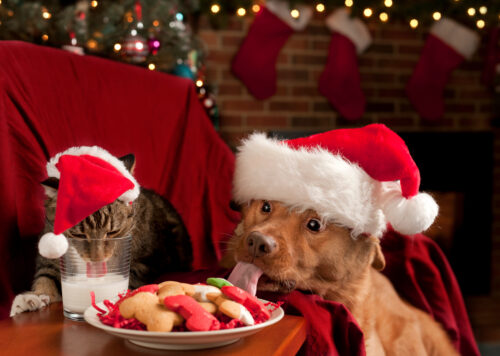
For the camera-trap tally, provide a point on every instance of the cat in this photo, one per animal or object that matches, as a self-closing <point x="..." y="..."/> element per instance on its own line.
<point x="160" y="242"/>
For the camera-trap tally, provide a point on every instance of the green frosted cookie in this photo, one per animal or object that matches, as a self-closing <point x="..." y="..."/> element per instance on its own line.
<point x="218" y="282"/>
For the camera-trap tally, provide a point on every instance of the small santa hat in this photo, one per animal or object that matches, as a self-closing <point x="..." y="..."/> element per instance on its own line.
<point x="89" y="179"/>
<point x="359" y="178"/>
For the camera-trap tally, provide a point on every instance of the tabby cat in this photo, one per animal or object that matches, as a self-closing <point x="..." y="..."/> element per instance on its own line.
<point x="160" y="242"/>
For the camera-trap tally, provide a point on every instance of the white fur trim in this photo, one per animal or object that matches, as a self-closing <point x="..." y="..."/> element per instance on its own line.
<point x="409" y="216"/>
<point x="282" y="10"/>
<point x="127" y="197"/>
<point x="338" y="190"/>
<point x="353" y="28"/>
<point x="460" y="38"/>
<point x="52" y="245"/>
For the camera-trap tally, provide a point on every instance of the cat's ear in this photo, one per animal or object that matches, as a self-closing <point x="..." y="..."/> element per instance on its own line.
<point x="129" y="161"/>
<point x="51" y="185"/>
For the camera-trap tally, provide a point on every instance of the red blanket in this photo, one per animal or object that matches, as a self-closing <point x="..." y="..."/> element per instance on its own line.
<point x="51" y="100"/>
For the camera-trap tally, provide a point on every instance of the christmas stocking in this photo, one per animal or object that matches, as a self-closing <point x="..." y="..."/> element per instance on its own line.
<point x="447" y="45"/>
<point x="255" y="62"/>
<point x="340" y="81"/>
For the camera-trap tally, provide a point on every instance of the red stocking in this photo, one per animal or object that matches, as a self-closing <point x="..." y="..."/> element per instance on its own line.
<point x="340" y="81"/>
<point x="255" y="62"/>
<point x="447" y="45"/>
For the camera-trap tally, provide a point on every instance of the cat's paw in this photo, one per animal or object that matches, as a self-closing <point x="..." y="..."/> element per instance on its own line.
<point x="28" y="302"/>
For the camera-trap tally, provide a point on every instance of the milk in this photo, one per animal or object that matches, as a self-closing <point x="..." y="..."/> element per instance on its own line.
<point x="76" y="290"/>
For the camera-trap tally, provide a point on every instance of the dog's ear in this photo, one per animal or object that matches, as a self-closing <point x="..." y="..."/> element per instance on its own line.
<point x="378" y="258"/>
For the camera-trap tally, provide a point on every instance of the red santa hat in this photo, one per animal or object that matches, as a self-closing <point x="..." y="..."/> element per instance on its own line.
<point x="359" y="178"/>
<point x="89" y="179"/>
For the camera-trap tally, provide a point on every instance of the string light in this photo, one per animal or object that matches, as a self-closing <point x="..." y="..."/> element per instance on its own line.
<point x="156" y="23"/>
<point x="151" y="66"/>
<point x="179" y="16"/>
<point x="436" y="15"/>
<point x="241" y="12"/>
<point x="483" y="10"/>
<point x="215" y="8"/>
<point x="94" y="3"/>
<point x="471" y="11"/>
<point x="117" y="47"/>
<point x="92" y="44"/>
<point x="73" y="41"/>
<point x="388" y="3"/>
<point x="320" y="7"/>
<point x="139" y="46"/>
<point x="130" y="18"/>
<point x="256" y="8"/>
<point x="413" y="23"/>
<point x="295" y="13"/>
<point x="133" y="32"/>
<point x="45" y="37"/>
<point x="383" y="16"/>
<point x="480" y="23"/>
<point x="349" y="3"/>
<point x="199" y="83"/>
<point x="46" y="15"/>
<point x="367" y="12"/>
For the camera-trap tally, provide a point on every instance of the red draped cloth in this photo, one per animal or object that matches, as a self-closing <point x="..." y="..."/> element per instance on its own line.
<point x="52" y="99"/>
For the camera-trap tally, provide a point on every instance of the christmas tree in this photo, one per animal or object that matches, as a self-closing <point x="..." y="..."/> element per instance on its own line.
<point x="156" y="34"/>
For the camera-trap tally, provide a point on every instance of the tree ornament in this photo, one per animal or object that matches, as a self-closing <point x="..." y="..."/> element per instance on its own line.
<point x="73" y="46"/>
<point x="135" y="48"/>
<point x="154" y="45"/>
<point x="183" y="70"/>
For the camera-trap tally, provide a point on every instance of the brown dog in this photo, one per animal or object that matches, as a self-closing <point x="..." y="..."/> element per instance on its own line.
<point x="298" y="251"/>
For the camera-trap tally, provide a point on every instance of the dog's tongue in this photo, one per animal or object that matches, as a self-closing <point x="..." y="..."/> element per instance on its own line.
<point x="96" y="269"/>
<point x="246" y="275"/>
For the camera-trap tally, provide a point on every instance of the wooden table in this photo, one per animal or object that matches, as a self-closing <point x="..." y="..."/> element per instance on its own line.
<point x="47" y="332"/>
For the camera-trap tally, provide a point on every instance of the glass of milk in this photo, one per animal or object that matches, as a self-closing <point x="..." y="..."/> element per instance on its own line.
<point x="99" y="266"/>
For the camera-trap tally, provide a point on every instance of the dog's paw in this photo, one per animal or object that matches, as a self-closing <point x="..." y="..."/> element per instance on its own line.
<point x="28" y="302"/>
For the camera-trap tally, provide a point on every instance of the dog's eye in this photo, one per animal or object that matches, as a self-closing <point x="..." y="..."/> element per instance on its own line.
<point x="314" y="225"/>
<point x="266" y="207"/>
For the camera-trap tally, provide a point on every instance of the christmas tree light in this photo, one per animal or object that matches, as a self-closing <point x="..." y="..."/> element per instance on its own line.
<point x="320" y="7"/>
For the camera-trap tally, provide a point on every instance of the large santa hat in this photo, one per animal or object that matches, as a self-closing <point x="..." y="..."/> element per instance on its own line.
<point x="359" y="178"/>
<point x="89" y="179"/>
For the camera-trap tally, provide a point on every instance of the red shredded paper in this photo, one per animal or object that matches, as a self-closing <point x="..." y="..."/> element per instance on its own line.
<point x="112" y="316"/>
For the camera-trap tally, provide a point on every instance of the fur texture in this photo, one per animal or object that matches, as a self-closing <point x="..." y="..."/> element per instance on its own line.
<point x="160" y="242"/>
<point x="295" y="250"/>
<point x="340" y="191"/>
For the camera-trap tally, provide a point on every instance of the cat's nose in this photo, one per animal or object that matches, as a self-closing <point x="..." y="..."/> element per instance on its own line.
<point x="259" y="245"/>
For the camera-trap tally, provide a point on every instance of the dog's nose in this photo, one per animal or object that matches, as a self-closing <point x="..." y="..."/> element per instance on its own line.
<point x="259" y="244"/>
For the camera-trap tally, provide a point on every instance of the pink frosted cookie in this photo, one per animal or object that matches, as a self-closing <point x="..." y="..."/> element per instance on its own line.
<point x="255" y="306"/>
<point x="197" y="318"/>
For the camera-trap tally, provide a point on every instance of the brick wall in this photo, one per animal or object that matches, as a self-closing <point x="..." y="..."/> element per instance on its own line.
<point x="385" y="69"/>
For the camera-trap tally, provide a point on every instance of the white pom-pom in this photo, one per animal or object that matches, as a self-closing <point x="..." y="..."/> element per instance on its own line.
<point x="52" y="245"/>
<point x="410" y="216"/>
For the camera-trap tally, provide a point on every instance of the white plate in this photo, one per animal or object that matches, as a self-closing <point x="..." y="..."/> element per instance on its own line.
<point x="181" y="340"/>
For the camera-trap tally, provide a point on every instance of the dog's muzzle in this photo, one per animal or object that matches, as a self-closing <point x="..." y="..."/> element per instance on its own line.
<point x="259" y="245"/>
